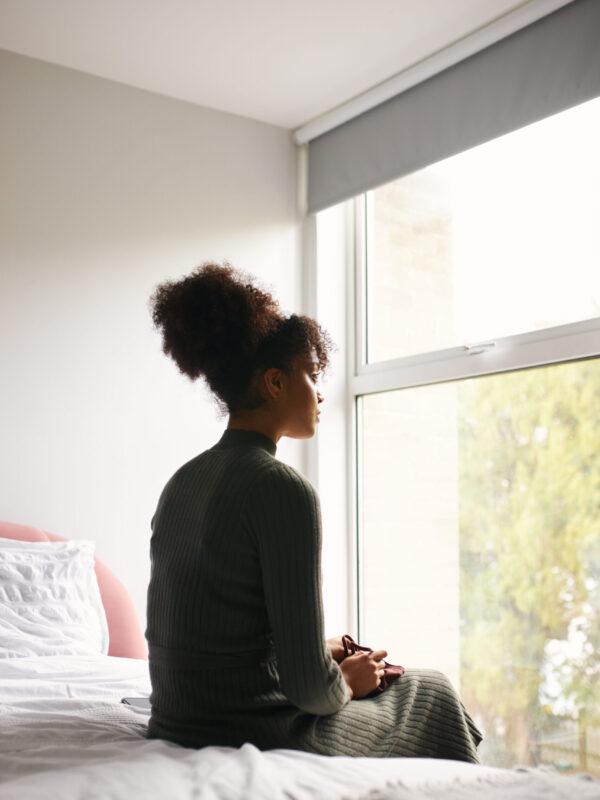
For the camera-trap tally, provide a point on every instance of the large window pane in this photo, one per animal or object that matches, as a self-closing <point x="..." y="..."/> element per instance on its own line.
<point x="481" y="551"/>
<point x="499" y="240"/>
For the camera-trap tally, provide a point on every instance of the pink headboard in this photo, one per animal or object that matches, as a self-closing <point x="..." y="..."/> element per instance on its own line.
<point x="125" y="634"/>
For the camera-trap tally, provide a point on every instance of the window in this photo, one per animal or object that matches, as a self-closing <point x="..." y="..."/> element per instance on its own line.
<point x="496" y="241"/>
<point x="477" y="396"/>
<point x="481" y="548"/>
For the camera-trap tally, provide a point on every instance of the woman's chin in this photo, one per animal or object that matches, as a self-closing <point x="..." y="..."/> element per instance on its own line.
<point x="305" y="433"/>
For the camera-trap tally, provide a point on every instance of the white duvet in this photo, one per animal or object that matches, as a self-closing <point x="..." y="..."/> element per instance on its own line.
<point x="65" y="734"/>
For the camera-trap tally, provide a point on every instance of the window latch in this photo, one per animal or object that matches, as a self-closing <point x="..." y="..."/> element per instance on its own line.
<point x="478" y="347"/>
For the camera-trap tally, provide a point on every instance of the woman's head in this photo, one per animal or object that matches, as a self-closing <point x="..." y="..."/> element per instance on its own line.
<point x="217" y="324"/>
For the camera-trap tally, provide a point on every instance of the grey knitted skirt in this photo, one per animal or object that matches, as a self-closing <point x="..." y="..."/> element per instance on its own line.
<point x="419" y="715"/>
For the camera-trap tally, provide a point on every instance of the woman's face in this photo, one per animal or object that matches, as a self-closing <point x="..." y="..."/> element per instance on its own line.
<point x="302" y="399"/>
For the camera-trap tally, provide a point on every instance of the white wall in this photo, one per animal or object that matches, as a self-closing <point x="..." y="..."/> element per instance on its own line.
<point x="107" y="190"/>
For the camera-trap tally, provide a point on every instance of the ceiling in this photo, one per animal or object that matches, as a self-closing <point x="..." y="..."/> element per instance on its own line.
<point x="277" y="61"/>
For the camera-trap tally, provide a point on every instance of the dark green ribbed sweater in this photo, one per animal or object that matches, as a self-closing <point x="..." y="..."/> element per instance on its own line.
<point x="235" y="623"/>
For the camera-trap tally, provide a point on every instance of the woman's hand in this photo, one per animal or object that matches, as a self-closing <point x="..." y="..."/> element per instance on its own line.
<point x="363" y="672"/>
<point x="336" y="648"/>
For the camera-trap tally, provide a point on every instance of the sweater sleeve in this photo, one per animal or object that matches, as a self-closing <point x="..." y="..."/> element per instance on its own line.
<point x="284" y="519"/>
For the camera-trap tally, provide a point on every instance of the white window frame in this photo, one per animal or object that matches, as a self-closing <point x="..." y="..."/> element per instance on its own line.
<point x="563" y="343"/>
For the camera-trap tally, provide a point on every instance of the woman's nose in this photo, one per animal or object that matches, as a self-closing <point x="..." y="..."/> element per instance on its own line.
<point x="320" y="397"/>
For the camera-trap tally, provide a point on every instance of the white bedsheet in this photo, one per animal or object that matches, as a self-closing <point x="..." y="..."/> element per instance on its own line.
<point x="65" y="734"/>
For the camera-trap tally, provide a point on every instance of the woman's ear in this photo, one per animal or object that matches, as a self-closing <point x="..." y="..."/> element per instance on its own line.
<point x="271" y="383"/>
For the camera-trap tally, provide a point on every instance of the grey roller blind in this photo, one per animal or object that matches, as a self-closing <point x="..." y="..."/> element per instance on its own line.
<point x="542" y="69"/>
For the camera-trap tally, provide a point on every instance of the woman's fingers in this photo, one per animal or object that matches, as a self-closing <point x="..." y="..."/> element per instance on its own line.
<point x="378" y="655"/>
<point x="362" y="673"/>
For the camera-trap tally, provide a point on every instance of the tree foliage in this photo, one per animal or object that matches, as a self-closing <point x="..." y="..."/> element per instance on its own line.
<point x="529" y="473"/>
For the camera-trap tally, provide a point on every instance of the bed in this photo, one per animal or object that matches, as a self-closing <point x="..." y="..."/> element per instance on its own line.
<point x="64" y="731"/>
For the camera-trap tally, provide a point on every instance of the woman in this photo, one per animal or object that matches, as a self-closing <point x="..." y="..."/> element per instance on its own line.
<point x="235" y="623"/>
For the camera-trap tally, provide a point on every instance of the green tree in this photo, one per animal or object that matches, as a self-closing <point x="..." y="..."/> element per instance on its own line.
<point x="529" y="473"/>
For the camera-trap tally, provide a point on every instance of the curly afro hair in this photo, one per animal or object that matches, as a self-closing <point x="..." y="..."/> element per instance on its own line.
<point x="217" y="324"/>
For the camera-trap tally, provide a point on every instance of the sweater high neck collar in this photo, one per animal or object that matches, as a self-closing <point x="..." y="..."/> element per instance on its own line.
<point x="236" y="437"/>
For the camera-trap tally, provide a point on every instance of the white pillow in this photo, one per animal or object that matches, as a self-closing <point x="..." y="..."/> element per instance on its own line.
<point x="49" y="600"/>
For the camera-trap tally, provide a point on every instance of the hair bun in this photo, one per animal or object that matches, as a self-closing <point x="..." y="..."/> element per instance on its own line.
<point x="213" y="313"/>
